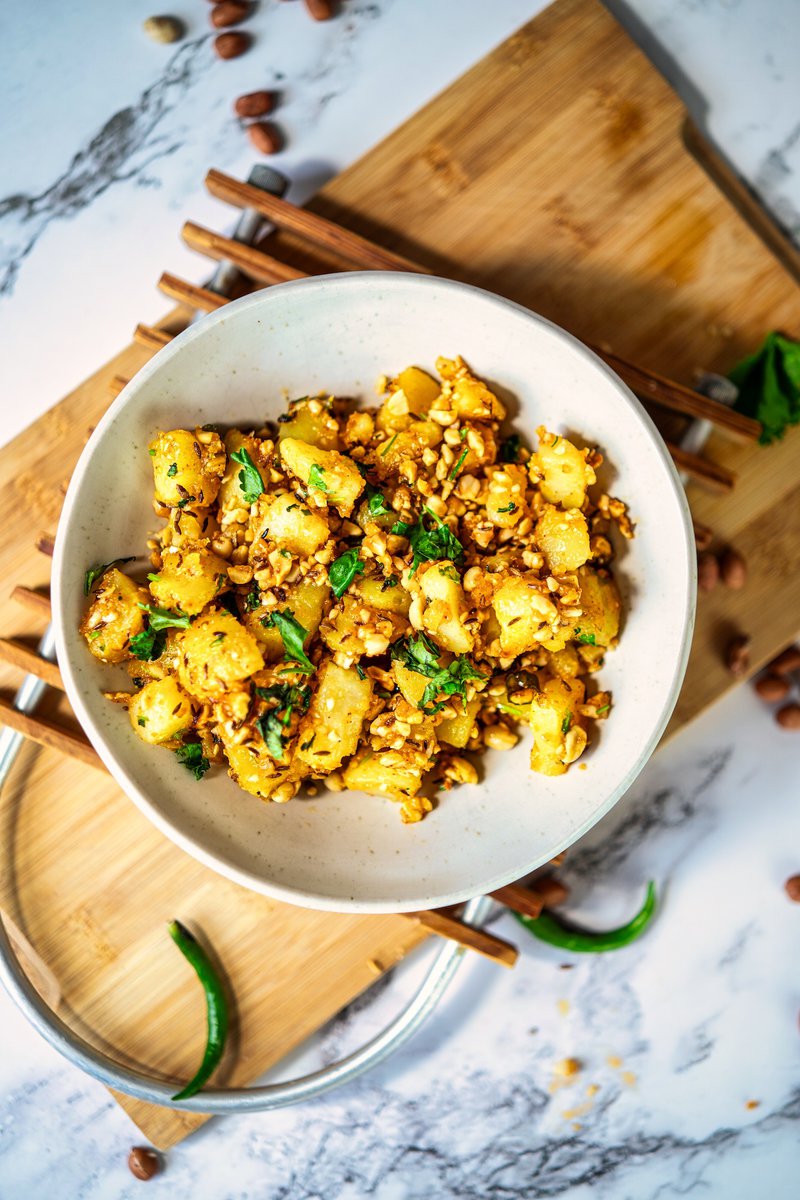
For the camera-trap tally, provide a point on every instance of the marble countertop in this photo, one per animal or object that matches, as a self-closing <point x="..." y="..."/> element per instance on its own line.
<point x="690" y="1037"/>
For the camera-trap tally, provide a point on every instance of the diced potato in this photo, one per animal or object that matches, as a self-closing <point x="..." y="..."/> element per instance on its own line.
<point x="411" y="395"/>
<point x="601" y="606"/>
<point x="374" y="592"/>
<point x="189" y="526"/>
<point x="306" y="601"/>
<point x="394" y="773"/>
<point x="349" y="634"/>
<point x="411" y="683"/>
<point x="505" y="500"/>
<point x="114" y="616"/>
<point x="254" y="769"/>
<point x="562" y="470"/>
<point x="565" y="662"/>
<point x="189" y="578"/>
<point x="563" y="538"/>
<point x="456" y="730"/>
<point x="524" y="614"/>
<point x="339" y="480"/>
<point x="160" y="710"/>
<point x="558" y="734"/>
<point x="318" y="429"/>
<point x="230" y="493"/>
<point x="445" y="606"/>
<point x="330" y="730"/>
<point x="407" y="446"/>
<point x="472" y="399"/>
<point x="290" y="525"/>
<point x="186" y="469"/>
<point x="216" y="654"/>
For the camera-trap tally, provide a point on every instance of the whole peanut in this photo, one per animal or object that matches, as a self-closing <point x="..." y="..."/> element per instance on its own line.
<point x="788" y="717"/>
<point x="228" y="12"/>
<point x="792" y="886"/>
<point x="143" y="1162"/>
<point x="321" y="10"/>
<point x="707" y="572"/>
<point x="772" y="688"/>
<point x="738" y="655"/>
<point x="231" y="45"/>
<point x="733" y="569"/>
<point x="786" y="662"/>
<point x="265" y="137"/>
<point x="254" y="104"/>
<point x="164" y="29"/>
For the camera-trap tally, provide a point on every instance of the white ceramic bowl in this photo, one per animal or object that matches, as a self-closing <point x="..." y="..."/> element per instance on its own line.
<point x="340" y="333"/>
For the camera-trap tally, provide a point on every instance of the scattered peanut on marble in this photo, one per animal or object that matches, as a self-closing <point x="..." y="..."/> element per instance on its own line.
<point x="733" y="569"/>
<point x="254" y="104"/>
<point x="265" y="137"/>
<point x="788" y="717"/>
<point x="738" y="654"/>
<point x="143" y="1163"/>
<point x="232" y="44"/>
<point x="229" y="12"/>
<point x="164" y="29"/>
<point x="772" y="688"/>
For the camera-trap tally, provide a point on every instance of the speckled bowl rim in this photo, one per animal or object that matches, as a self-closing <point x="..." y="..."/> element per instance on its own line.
<point x="217" y="862"/>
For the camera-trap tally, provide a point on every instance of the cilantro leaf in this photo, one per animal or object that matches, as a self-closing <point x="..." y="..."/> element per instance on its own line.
<point x="450" y="681"/>
<point x="270" y="727"/>
<point x="172" y="470"/>
<point x="429" y="544"/>
<point x="417" y="654"/>
<point x="192" y="757"/>
<point x="315" y="479"/>
<point x="509" y="508"/>
<point x="149" y="644"/>
<point x="272" y="724"/>
<point x="94" y="573"/>
<point x="376" y="503"/>
<point x="166" y="618"/>
<point x="388" y="446"/>
<point x="293" y="636"/>
<point x="250" y="481"/>
<point x="587" y="639"/>
<point x="565" y="724"/>
<point x="459" y="464"/>
<point x="769" y="386"/>
<point x="252" y="600"/>
<point x="343" y="571"/>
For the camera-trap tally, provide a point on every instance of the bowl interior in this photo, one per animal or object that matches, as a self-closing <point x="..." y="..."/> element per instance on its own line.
<point x="340" y="333"/>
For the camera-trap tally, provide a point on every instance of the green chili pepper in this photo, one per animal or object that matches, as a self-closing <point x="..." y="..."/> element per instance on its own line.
<point x="550" y="929"/>
<point x="216" y="1006"/>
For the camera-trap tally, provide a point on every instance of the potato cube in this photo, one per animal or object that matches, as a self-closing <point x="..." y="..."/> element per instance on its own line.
<point x="185" y="469"/>
<point x="563" y="538"/>
<point x="505" y="501"/>
<point x="332" y="477"/>
<point x="445" y="606"/>
<point x="375" y="593"/>
<point x="330" y="730"/>
<point x="410" y="396"/>
<point x="411" y="683"/>
<point x="456" y="731"/>
<point x="558" y="734"/>
<point x="231" y="495"/>
<point x="160" y="711"/>
<point x="407" y="446"/>
<point x="393" y="773"/>
<point x="599" y="623"/>
<point x="114" y="616"/>
<point x="316" y="428"/>
<point x="290" y="525"/>
<point x="189" y="578"/>
<point x="561" y="470"/>
<point x="306" y="601"/>
<point x="216" y="654"/>
<point x="256" y="771"/>
<point x="524" y="614"/>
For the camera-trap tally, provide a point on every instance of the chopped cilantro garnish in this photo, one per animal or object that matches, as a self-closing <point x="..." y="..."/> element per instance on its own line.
<point x="172" y="470"/>
<point x="192" y="757"/>
<point x="429" y="544"/>
<point x="166" y="618"/>
<point x="449" y="681"/>
<point x="250" y="481"/>
<point x="141" y="721"/>
<point x="376" y="503"/>
<point x="388" y="446"/>
<point x="510" y="448"/>
<point x="769" y="386"/>
<point x="252" y="600"/>
<point x="605" y="708"/>
<point x="588" y="639"/>
<point x="149" y="644"/>
<point x="565" y="724"/>
<point x="315" y="479"/>
<point x="343" y="571"/>
<point x="459" y="464"/>
<point x="509" y="508"/>
<point x="293" y="636"/>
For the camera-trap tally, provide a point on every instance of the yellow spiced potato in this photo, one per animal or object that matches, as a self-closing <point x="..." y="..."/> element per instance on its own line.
<point x="367" y="598"/>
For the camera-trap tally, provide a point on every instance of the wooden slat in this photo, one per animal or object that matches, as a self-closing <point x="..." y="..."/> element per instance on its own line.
<point x="35" y="602"/>
<point x="47" y="733"/>
<point x="152" y="338"/>
<point x="254" y="263"/>
<point x="190" y="293"/>
<point x="711" y="475"/>
<point x="531" y="898"/>
<point x="19" y="655"/>
<point x="474" y="939"/>
<point x="649" y="385"/>
<point x="309" y="225"/>
<point x="118" y="382"/>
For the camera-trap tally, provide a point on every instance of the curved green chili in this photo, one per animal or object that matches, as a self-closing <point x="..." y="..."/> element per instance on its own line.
<point x="216" y="1006"/>
<point x="550" y="929"/>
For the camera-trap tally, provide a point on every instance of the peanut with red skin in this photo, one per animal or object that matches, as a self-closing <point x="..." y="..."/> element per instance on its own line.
<point x="265" y="137"/>
<point x="786" y="662"/>
<point x="788" y="717"/>
<point x="733" y="569"/>
<point x="772" y="688"/>
<point x="707" y="572"/>
<point x="254" y="104"/>
<point x="231" y="45"/>
<point x="738" y="655"/>
<point x="143" y="1163"/>
<point x="792" y="886"/>
<point x="228" y="12"/>
<point x="320" y="10"/>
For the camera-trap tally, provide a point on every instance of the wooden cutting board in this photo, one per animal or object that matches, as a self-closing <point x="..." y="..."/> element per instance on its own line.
<point x="554" y="173"/>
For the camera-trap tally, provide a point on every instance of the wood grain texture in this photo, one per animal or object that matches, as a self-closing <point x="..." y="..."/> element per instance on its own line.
<point x="552" y="173"/>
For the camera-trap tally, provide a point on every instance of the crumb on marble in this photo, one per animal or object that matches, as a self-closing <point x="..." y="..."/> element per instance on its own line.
<point x="567" y="1067"/>
<point x="563" y="1007"/>
<point x="614" y="1061"/>
<point x="751" y="1104"/>
<point x="628" y="1078"/>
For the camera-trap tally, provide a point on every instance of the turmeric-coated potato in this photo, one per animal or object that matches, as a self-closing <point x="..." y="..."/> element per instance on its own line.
<point x="114" y="616"/>
<point x="160" y="711"/>
<point x="216" y="654"/>
<point x="186" y="469"/>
